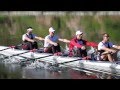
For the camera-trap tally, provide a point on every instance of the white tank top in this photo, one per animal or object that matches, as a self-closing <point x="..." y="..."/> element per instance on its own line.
<point x="54" y="39"/>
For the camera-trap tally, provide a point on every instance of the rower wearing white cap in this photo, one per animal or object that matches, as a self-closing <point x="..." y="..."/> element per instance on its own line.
<point x="51" y="44"/>
<point x="78" y="44"/>
<point x="28" y="40"/>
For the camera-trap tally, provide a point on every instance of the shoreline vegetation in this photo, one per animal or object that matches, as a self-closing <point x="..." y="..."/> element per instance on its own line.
<point x="14" y="23"/>
<point x="57" y="13"/>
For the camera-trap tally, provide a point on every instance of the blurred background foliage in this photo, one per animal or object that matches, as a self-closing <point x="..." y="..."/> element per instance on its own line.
<point x="13" y="27"/>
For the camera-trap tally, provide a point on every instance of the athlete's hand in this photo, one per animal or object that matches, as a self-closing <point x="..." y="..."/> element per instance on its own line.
<point x="55" y="44"/>
<point x="32" y="41"/>
<point x="95" y="48"/>
<point x="113" y="51"/>
<point x="83" y="47"/>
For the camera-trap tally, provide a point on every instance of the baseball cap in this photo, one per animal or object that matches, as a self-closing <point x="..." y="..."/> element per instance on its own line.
<point x="79" y="32"/>
<point x="51" y="29"/>
<point x="29" y="29"/>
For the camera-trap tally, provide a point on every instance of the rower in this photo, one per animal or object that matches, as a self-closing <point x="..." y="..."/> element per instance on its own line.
<point x="105" y="47"/>
<point x="28" y="40"/>
<point x="77" y="46"/>
<point x="51" y="44"/>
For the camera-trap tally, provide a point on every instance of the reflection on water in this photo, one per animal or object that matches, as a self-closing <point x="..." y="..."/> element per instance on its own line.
<point x="14" y="71"/>
<point x="10" y="71"/>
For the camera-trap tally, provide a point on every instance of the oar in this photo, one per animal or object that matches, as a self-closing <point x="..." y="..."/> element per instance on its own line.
<point x="67" y="62"/>
<point x="10" y="47"/>
<point x="7" y="48"/>
<point x="18" y="54"/>
<point x="29" y="59"/>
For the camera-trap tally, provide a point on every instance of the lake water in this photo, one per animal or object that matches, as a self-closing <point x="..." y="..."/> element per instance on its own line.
<point x="12" y="71"/>
<point x="16" y="71"/>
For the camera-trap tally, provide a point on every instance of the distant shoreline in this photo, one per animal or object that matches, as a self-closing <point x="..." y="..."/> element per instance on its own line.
<point x="59" y="13"/>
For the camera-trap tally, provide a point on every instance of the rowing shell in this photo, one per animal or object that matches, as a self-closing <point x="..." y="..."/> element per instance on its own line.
<point x="72" y="62"/>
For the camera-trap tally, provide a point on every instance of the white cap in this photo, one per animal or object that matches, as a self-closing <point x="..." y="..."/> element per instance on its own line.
<point x="51" y="29"/>
<point x="79" y="32"/>
<point x="29" y="29"/>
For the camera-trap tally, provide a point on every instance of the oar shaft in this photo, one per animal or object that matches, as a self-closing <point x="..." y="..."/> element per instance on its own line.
<point x="5" y="49"/>
<point x="29" y="59"/>
<point x="8" y="48"/>
<point x="20" y="53"/>
<point x="16" y="54"/>
<point x="67" y="62"/>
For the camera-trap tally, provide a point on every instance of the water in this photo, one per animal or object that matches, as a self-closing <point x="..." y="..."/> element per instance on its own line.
<point x="16" y="71"/>
<point x="32" y="71"/>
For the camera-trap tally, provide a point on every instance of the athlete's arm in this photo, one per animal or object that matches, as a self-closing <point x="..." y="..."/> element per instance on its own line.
<point x="27" y="39"/>
<point x="39" y="38"/>
<point x="93" y="44"/>
<point x="51" y="42"/>
<point x="72" y="42"/>
<point x="115" y="46"/>
<point x="64" y="40"/>
<point x="101" y="46"/>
